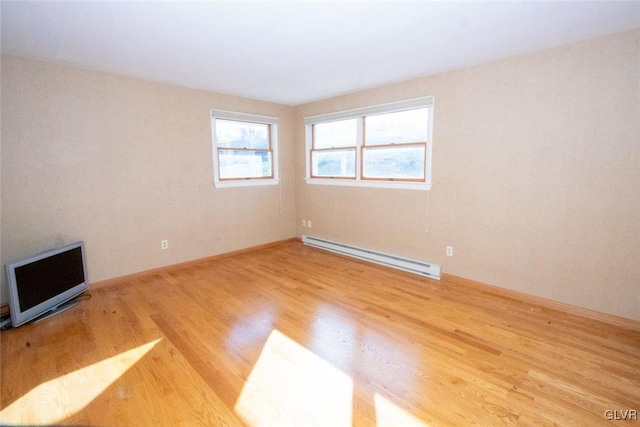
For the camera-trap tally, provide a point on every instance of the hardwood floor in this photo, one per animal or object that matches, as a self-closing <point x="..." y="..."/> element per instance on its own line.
<point x="292" y="335"/>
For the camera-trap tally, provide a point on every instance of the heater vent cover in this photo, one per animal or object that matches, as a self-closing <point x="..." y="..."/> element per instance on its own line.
<point x="417" y="267"/>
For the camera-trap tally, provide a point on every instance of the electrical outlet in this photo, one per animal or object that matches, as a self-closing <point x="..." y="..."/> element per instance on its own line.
<point x="164" y="244"/>
<point x="449" y="250"/>
<point x="309" y="223"/>
<point x="304" y="223"/>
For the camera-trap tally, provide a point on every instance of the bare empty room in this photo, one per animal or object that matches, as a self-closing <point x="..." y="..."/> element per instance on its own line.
<point x="316" y="213"/>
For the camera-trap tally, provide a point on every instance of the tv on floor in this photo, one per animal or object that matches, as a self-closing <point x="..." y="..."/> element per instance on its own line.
<point x="46" y="283"/>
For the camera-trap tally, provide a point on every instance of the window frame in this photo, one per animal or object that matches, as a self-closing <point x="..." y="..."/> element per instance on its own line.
<point x="272" y="122"/>
<point x="360" y="114"/>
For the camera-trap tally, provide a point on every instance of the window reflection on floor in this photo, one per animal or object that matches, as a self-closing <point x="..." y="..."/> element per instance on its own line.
<point x="289" y="385"/>
<point x="60" y="398"/>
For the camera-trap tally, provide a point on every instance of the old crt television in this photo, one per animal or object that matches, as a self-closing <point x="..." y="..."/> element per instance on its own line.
<point x="45" y="283"/>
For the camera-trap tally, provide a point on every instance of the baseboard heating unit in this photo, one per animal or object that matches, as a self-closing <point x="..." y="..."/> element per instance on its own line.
<point x="417" y="267"/>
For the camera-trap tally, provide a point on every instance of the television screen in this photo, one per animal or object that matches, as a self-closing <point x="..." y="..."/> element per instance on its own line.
<point x="45" y="281"/>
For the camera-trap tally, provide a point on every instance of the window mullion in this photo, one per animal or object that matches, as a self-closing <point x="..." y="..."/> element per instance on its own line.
<point x="360" y="144"/>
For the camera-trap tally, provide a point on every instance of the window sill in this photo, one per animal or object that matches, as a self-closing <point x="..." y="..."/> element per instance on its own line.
<point x="246" y="183"/>
<point x="396" y="185"/>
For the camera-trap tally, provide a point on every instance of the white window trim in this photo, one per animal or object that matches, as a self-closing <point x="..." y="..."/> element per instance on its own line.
<point x="426" y="102"/>
<point x="244" y="117"/>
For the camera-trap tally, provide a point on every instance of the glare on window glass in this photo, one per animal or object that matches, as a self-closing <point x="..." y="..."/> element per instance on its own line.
<point x="396" y="128"/>
<point x="244" y="164"/>
<point x="402" y="162"/>
<point x="334" y="163"/>
<point x="235" y="134"/>
<point x="342" y="133"/>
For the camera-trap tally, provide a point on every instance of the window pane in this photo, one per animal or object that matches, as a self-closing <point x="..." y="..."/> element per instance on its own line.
<point x="400" y="162"/>
<point x="397" y="128"/>
<point x="244" y="164"/>
<point x="234" y="134"/>
<point x="334" y="163"/>
<point x="342" y="133"/>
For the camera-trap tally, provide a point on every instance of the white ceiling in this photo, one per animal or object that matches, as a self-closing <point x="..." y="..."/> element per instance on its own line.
<point x="297" y="51"/>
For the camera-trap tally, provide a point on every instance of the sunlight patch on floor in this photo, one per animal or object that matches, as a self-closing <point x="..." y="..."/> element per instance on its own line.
<point x="60" y="398"/>
<point x="289" y="385"/>
<point x="390" y="414"/>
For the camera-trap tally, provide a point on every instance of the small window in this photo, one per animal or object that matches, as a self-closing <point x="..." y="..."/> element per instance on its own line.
<point x="244" y="149"/>
<point x="380" y="146"/>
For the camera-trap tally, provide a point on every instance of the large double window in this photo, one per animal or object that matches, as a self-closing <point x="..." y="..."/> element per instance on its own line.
<point x="382" y="146"/>
<point x="244" y="149"/>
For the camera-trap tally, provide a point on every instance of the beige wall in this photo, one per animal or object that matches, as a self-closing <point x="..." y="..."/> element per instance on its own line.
<point x="123" y="163"/>
<point x="536" y="171"/>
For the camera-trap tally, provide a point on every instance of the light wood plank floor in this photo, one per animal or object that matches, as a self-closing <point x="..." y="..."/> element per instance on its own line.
<point x="292" y="335"/>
